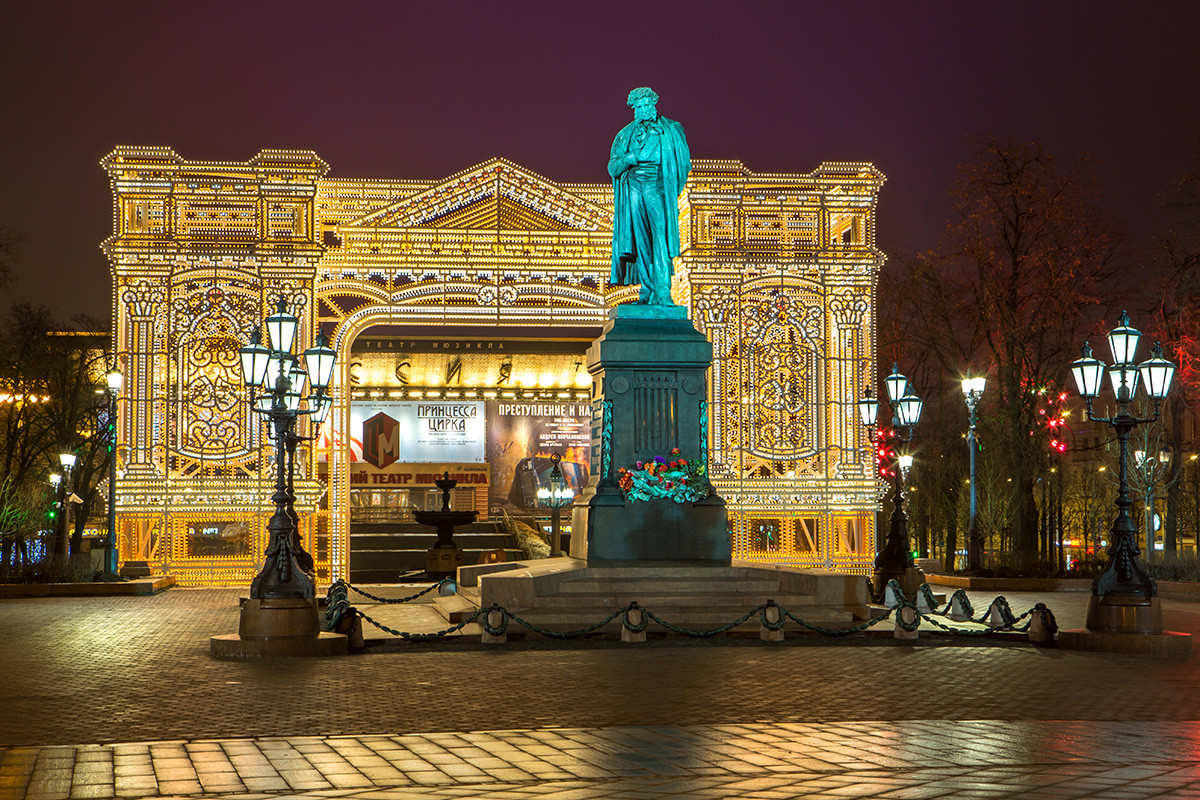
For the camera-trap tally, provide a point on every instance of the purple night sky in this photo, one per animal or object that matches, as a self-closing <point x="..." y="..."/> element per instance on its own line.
<point x="392" y="89"/>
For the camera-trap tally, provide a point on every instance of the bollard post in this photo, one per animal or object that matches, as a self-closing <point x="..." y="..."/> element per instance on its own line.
<point x="906" y="615"/>
<point x="496" y="620"/>
<point x="1042" y="625"/>
<point x="999" y="613"/>
<point x="892" y="594"/>
<point x="925" y="601"/>
<point x="770" y="628"/>
<point x="960" y="607"/>
<point x="633" y="624"/>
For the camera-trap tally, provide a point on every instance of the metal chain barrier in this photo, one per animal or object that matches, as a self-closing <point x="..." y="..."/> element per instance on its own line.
<point x="836" y="631"/>
<point x="565" y="634"/>
<point x="387" y="600"/>
<point x="765" y="620"/>
<point x="339" y="607"/>
<point x="1008" y="625"/>
<point x="630" y="626"/>
<point x="704" y="634"/>
<point x="424" y="637"/>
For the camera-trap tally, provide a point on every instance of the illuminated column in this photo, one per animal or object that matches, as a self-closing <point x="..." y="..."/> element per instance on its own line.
<point x="140" y="308"/>
<point x="848" y="309"/>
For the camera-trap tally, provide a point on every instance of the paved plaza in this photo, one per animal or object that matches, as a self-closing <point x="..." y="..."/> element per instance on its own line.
<point x="119" y="697"/>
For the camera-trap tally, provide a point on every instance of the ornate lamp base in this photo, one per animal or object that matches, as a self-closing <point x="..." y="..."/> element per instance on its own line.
<point x="278" y="628"/>
<point x="1116" y="614"/>
<point x="1117" y="624"/>
<point x="909" y="578"/>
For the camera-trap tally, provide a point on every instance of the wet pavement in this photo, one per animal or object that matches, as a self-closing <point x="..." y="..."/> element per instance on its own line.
<point x="118" y="697"/>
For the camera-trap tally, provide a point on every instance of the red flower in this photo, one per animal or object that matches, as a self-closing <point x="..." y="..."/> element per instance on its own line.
<point x="674" y="451"/>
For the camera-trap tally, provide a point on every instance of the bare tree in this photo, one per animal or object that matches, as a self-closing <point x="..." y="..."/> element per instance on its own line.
<point x="1030" y="256"/>
<point x="1175" y="305"/>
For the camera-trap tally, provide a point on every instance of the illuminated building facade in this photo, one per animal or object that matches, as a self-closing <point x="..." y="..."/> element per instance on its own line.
<point x="486" y="286"/>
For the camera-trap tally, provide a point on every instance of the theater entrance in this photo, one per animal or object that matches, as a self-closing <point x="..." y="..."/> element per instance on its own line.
<point x="490" y="412"/>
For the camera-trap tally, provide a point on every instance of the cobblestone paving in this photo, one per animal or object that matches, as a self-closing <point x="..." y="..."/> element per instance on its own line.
<point x="118" y="696"/>
<point x="857" y="759"/>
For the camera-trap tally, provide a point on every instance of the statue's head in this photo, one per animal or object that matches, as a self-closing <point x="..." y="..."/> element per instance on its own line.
<point x="644" y="102"/>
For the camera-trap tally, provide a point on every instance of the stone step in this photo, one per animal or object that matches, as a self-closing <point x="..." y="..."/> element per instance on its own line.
<point x="578" y="619"/>
<point x="403" y="560"/>
<point x="667" y="571"/>
<point x="362" y="577"/>
<point x="369" y="555"/>
<point x="414" y="528"/>
<point x="404" y="541"/>
<point x="454" y="608"/>
<point x="685" y="586"/>
<point x="792" y="603"/>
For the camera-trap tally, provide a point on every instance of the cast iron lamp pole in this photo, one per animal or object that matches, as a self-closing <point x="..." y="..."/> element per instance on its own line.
<point x="973" y="390"/>
<point x="110" y="541"/>
<point x="287" y="571"/>
<point x="1124" y="598"/>
<point x="52" y="546"/>
<point x="895" y="559"/>
<point x="67" y="460"/>
<point x="557" y="496"/>
<point x="1149" y="465"/>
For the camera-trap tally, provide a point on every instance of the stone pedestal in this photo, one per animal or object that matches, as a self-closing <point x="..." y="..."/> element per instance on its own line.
<point x="649" y="387"/>
<point x="278" y="628"/>
<point x="135" y="569"/>
<point x="443" y="562"/>
<point x="1126" y="624"/>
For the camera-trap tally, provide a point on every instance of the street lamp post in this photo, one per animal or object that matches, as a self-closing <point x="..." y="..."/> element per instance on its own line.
<point x="67" y="460"/>
<point x="280" y="617"/>
<point x="277" y="384"/>
<point x="51" y="550"/>
<point x="895" y="559"/>
<point x="973" y="390"/>
<point x="1124" y="598"/>
<point x="557" y="496"/>
<point x="110" y="541"/>
<point x="1150" y="466"/>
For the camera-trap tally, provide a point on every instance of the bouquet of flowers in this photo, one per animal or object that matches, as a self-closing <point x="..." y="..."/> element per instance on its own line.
<point x="670" y="477"/>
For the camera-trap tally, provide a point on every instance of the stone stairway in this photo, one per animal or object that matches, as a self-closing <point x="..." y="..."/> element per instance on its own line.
<point x="566" y="594"/>
<point x="381" y="552"/>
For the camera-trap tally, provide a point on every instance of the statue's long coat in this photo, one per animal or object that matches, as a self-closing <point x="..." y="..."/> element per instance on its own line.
<point x="676" y="163"/>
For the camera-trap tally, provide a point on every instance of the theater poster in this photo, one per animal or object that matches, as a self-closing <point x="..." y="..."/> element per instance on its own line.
<point x="521" y="437"/>
<point x="411" y="431"/>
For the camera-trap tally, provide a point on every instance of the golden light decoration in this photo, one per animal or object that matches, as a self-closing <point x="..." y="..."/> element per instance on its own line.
<point x="777" y="270"/>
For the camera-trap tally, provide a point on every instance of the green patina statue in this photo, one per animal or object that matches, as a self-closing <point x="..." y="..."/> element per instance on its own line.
<point x="649" y="165"/>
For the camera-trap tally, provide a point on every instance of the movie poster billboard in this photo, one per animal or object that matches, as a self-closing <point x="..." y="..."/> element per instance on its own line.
<point x="410" y="431"/>
<point x="521" y="437"/>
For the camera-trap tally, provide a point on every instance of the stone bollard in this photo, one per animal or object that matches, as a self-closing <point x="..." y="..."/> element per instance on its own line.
<point x="497" y="621"/>
<point x="770" y="626"/>
<point x="999" y="614"/>
<point x="960" y="607"/>
<point x="1042" y="625"/>
<point x="908" y="615"/>
<point x="925" y="599"/>
<point x="633" y="624"/>
<point x="892" y="594"/>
